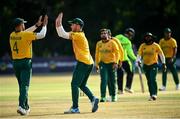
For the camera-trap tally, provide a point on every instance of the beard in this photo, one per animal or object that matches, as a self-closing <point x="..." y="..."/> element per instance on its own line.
<point x="103" y="37"/>
<point x="148" y="42"/>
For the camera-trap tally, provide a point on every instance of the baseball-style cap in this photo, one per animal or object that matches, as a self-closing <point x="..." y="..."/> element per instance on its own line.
<point x="148" y="34"/>
<point x="77" y="21"/>
<point x="18" y="21"/>
<point x="131" y="30"/>
<point x="167" y="30"/>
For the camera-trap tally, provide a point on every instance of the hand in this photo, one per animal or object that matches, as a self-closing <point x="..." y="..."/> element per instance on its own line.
<point x="115" y="66"/>
<point x="119" y="64"/>
<point x="45" y="21"/>
<point x="138" y="63"/>
<point x="39" y="22"/>
<point x="97" y="69"/>
<point x="164" y="68"/>
<point x="172" y="60"/>
<point x="59" y="20"/>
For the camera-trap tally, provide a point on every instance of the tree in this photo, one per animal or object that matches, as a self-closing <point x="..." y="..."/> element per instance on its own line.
<point x="143" y="16"/>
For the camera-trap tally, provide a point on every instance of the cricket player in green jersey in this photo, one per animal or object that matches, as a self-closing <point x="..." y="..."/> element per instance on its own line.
<point x="126" y="64"/>
<point x="107" y="57"/>
<point x="21" y="49"/>
<point x="149" y="52"/>
<point x="84" y="62"/>
<point x="169" y="47"/>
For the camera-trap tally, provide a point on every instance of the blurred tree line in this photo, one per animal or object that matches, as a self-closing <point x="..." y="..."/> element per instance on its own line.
<point x="117" y="15"/>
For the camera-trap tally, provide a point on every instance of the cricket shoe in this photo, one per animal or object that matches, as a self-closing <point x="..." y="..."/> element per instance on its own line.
<point x="28" y="111"/>
<point x="163" y="88"/>
<point x="21" y="111"/>
<point x="95" y="104"/>
<point x="120" y="92"/>
<point x="72" y="111"/>
<point x="178" y="87"/>
<point x="114" y="99"/>
<point x="152" y="98"/>
<point x="109" y="99"/>
<point x="128" y="90"/>
<point x="103" y="99"/>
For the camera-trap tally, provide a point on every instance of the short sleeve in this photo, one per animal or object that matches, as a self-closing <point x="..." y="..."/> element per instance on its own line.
<point x="29" y="36"/>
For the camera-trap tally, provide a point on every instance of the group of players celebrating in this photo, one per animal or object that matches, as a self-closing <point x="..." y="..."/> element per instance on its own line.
<point x="114" y="55"/>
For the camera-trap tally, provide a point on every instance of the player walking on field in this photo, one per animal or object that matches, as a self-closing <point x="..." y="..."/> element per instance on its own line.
<point x="126" y="64"/>
<point x="107" y="57"/>
<point x="149" y="52"/>
<point x="84" y="62"/>
<point x="21" y="48"/>
<point x="121" y="58"/>
<point x="169" y="47"/>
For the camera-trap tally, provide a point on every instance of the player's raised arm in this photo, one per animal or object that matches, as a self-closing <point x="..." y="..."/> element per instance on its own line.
<point x="59" y="28"/>
<point x="34" y="27"/>
<point x="43" y="31"/>
<point x="59" y="20"/>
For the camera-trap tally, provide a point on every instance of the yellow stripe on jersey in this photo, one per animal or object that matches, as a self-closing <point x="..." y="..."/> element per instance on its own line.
<point x="107" y="52"/>
<point x="168" y="47"/>
<point x="21" y="44"/>
<point x="81" y="47"/>
<point x="149" y="53"/>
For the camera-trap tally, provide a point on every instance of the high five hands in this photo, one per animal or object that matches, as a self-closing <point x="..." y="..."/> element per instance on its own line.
<point x="59" y="20"/>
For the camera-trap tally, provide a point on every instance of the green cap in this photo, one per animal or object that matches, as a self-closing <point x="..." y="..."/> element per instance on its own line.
<point x="18" y="21"/>
<point x="130" y="30"/>
<point x="167" y="30"/>
<point x="77" y="21"/>
<point x="150" y="34"/>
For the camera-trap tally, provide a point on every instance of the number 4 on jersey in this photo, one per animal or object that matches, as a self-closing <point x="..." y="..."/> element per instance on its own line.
<point x="15" y="48"/>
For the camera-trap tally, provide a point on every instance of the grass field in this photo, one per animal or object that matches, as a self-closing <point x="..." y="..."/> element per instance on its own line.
<point x="50" y="96"/>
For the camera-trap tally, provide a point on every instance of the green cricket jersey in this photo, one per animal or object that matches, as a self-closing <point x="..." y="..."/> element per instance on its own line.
<point x="127" y="47"/>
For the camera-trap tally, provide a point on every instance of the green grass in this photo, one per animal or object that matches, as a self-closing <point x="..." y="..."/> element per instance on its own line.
<point x="50" y="96"/>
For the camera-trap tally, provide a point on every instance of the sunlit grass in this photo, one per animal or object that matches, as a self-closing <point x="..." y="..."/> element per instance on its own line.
<point x="50" y="96"/>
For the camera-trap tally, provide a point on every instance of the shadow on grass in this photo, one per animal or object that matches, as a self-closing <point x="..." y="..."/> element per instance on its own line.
<point x="59" y="114"/>
<point x="37" y="115"/>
